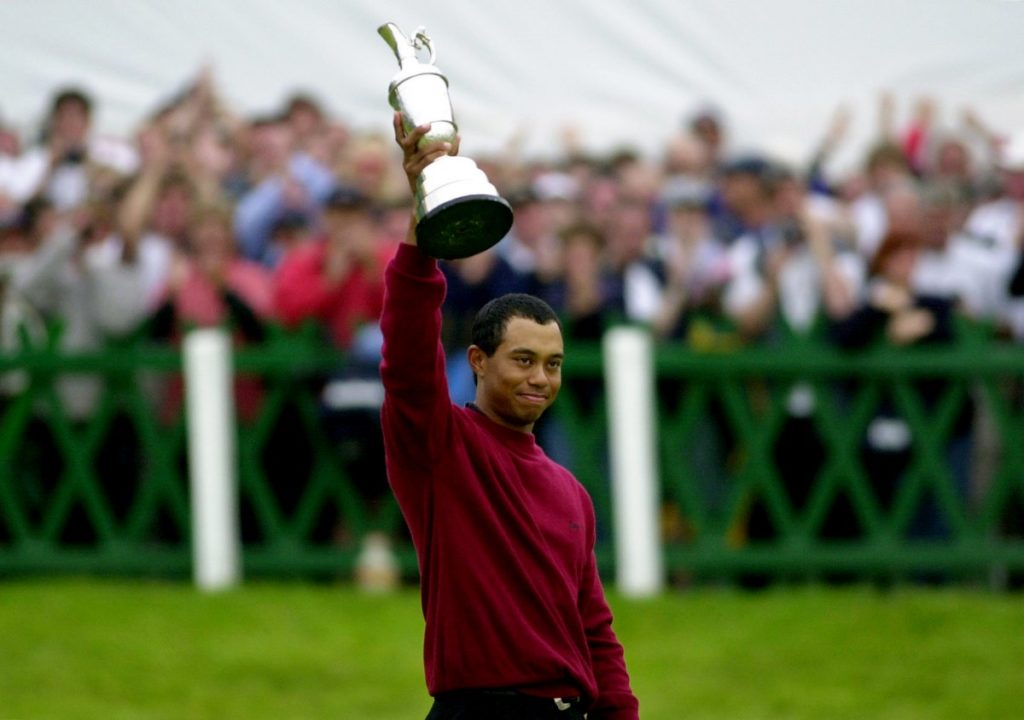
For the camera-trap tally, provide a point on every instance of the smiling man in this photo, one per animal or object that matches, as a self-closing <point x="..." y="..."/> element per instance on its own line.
<point x="517" y="626"/>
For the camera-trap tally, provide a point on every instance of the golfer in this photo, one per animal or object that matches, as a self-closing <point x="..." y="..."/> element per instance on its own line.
<point x="517" y="626"/>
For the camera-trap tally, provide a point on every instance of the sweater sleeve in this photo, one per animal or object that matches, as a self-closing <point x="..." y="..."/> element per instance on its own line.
<point x="416" y="407"/>
<point x="615" y="699"/>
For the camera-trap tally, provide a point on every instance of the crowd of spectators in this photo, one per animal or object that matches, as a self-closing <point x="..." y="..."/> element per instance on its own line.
<point x="206" y="217"/>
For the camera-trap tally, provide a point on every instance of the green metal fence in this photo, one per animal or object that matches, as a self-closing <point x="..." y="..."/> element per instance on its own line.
<point x="762" y="463"/>
<point x="799" y="495"/>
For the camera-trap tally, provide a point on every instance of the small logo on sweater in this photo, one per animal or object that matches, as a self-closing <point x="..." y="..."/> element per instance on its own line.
<point x="573" y="525"/>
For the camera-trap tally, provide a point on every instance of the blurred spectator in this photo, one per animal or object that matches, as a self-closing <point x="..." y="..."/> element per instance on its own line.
<point x="817" y="171"/>
<point x="891" y="311"/>
<point x="290" y="232"/>
<point x="68" y="162"/>
<point x="210" y="285"/>
<point x="10" y="149"/>
<point x="583" y="292"/>
<point x="757" y="244"/>
<point x="10" y="144"/>
<point x="998" y="228"/>
<point x="788" y="274"/>
<point x="745" y="189"/>
<point x="559" y="194"/>
<point x="952" y="164"/>
<point x="952" y="263"/>
<point x="687" y="156"/>
<point x="306" y="121"/>
<point x="599" y="197"/>
<point x="936" y="154"/>
<point x="530" y="242"/>
<point x="632" y="255"/>
<point x="696" y="269"/>
<point x="708" y="128"/>
<point x="337" y="281"/>
<point x="696" y="262"/>
<point x="154" y="214"/>
<point x="635" y="176"/>
<point x="22" y="326"/>
<point x="917" y="137"/>
<point x="286" y="180"/>
<point x="887" y="171"/>
<point x="70" y="281"/>
<point x="61" y="281"/>
<point x="368" y="164"/>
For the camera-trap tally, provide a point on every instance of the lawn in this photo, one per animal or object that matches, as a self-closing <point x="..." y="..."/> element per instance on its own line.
<point x="104" y="649"/>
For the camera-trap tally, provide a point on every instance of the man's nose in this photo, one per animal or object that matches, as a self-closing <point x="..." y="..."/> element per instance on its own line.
<point x="538" y="377"/>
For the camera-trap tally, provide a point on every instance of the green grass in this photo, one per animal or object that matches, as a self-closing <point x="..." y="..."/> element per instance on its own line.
<point x="92" y="649"/>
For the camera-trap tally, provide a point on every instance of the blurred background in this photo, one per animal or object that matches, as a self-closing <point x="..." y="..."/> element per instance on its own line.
<point x="814" y="210"/>
<point x="623" y="74"/>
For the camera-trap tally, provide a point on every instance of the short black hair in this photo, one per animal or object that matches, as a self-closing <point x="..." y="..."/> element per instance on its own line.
<point x="492" y="319"/>
<point x="71" y="95"/>
<point x="302" y="100"/>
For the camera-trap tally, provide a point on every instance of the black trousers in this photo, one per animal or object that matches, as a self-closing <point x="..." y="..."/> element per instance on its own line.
<point x="501" y="705"/>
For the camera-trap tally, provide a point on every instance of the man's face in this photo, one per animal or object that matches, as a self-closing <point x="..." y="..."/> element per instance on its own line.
<point x="173" y="210"/>
<point x="352" y="230"/>
<point x="340" y="224"/>
<point x="530" y="223"/>
<point x="71" y="122"/>
<point x="741" y="190"/>
<point x="521" y="379"/>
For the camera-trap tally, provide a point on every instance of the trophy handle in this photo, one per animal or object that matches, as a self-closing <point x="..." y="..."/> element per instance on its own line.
<point x="405" y="49"/>
<point x="422" y="40"/>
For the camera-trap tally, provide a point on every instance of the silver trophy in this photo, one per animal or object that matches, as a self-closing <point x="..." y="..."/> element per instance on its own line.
<point x="458" y="211"/>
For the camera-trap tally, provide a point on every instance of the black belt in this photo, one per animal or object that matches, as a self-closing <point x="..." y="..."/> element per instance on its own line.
<point x="561" y="707"/>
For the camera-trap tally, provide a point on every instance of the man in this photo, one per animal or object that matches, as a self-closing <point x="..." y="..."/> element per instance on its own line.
<point x="995" y="235"/>
<point x="338" y="278"/>
<point x="71" y="163"/>
<point x="517" y="625"/>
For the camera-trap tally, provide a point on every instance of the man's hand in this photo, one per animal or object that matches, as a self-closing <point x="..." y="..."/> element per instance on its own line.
<point x="414" y="157"/>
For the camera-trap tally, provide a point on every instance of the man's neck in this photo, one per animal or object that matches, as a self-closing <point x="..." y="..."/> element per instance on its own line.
<point x="497" y="418"/>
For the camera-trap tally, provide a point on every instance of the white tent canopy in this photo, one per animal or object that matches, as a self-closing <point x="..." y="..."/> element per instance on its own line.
<point x="623" y="73"/>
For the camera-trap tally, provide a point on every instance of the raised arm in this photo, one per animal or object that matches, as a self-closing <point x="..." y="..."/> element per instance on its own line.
<point x="416" y="403"/>
<point x="136" y="208"/>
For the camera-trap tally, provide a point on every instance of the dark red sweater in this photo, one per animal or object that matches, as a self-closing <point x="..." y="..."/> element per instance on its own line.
<point x="505" y="537"/>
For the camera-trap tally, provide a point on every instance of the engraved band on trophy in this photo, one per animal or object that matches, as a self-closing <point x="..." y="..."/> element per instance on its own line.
<point x="458" y="211"/>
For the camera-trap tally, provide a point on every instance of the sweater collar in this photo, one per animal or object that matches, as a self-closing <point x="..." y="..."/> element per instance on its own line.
<point x="518" y="440"/>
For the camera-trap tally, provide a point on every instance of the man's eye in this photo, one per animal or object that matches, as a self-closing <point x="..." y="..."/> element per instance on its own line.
<point x="523" y="361"/>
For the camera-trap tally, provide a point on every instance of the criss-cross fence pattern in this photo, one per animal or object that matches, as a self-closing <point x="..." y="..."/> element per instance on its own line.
<point x="796" y="490"/>
<point x="763" y="455"/>
<point x="67" y="505"/>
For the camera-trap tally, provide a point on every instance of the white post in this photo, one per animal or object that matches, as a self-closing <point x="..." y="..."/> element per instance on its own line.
<point x="629" y="385"/>
<point x="211" y="450"/>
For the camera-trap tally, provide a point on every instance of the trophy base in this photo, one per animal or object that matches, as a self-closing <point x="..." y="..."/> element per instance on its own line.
<point x="464" y="226"/>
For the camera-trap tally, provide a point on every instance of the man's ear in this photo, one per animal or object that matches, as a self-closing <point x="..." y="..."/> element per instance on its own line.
<point x="476" y="358"/>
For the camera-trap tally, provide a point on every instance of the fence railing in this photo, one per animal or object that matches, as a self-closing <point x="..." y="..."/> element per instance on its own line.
<point x="794" y="460"/>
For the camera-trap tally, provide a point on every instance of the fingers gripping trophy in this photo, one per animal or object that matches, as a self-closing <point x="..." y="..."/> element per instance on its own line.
<point x="458" y="211"/>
